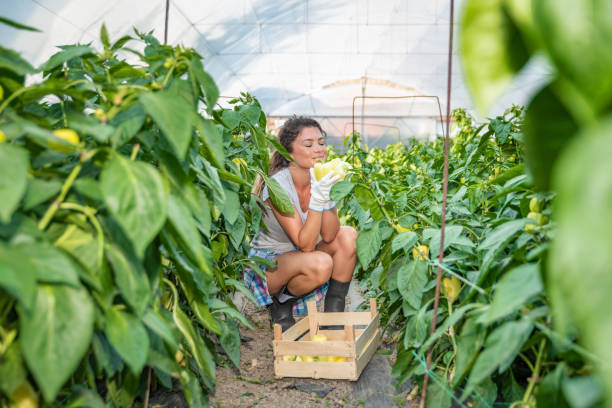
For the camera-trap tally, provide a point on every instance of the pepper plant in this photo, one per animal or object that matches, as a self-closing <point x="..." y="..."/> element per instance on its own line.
<point x="124" y="222"/>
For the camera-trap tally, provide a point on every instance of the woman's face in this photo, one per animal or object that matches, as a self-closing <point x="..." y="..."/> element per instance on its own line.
<point x="308" y="147"/>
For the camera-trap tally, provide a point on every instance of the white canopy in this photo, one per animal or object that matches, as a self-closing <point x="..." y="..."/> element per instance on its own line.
<point x="309" y="57"/>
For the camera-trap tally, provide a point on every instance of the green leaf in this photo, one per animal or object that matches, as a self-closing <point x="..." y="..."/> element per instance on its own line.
<point x="582" y="392"/>
<point x="369" y="243"/>
<point x="514" y="289"/>
<point x="511" y="390"/>
<point x="232" y="206"/>
<point x="451" y="320"/>
<point x="104" y="37"/>
<point x="164" y="329"/>
<point x="468" y="346"/>
<point x="236" y="231"/>
<point x="404" y="240"/>
<point x="14" y="165"/>
<point x="17" y="277"/>
<point x="203" y="357"/>
<point x="18" y="26"/>
<point x="230" y="341"/>
<point x="131" y="279"/>
<point x="411" y="280"/>
<point x="278" y="196"/>
<point x="135" y="195"/>
<point x="69" y="52"/>
<point x="439" y="393"/>
<point x="491" y="50"/>
<point x="12" y="61"/>
<point x="211" y="92"/>
<point x="51" y="264"/>
<point x="179" y="216"/>
<point x="484" y="394"/>
<point x="579" y="274"/>
<point x="451" y="235"/>
<point x="39" y="191"/>
<point x="367" y="201"/>
<point x="548" y="130"/>
<point x="341" y="189"/>
<point x="174" y="116"/>
<point x="501" y="348"/>
<point x="577" y="37"/>
<point x="549" y="393"/>
<point x="56" y="335"/>
<point x="230" y="118"/>
<point x="129" y="337"/>
<point x="502" y="233"/>
<point x="211" y="139"/>
<point x="127" y="124"/>
<point x="12" y="370"/>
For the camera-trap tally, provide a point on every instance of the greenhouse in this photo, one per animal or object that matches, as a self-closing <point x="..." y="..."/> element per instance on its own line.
<point x="302" y="203"/>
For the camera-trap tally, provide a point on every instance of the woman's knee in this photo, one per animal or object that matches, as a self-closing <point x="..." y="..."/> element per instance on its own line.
<point x="320" y="266"/>
<point x="347" y="237"/>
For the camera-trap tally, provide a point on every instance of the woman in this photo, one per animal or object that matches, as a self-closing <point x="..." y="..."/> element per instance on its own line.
<point x="315" y="256"/>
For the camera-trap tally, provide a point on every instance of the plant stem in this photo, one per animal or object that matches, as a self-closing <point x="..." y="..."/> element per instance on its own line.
<point x="44" y="222"/>
<point x="535" y="375"/>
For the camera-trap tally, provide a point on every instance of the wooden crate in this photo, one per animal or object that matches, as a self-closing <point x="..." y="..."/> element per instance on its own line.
<point x="358" y="345"/>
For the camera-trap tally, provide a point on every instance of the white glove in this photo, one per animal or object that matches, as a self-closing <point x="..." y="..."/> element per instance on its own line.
<point x="319" y="191"/>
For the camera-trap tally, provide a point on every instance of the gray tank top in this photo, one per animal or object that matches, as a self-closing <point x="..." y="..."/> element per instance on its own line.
<point x="276" y="238"/>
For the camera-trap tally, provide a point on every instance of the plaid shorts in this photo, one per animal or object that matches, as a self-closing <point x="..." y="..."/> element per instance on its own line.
<point x="259" y="285"/>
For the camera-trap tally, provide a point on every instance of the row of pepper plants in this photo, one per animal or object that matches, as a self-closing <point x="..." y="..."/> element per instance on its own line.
<point x="125" y="211"/>
<point x="495" y="340"/>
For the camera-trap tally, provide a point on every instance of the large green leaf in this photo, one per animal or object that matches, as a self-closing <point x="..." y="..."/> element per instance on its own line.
<point x="404" y="240"/>
<point x="69" y="52"/>
<point x="39" y="191"/>
<point x="278" y="196"/>
<point x="159" y="325"/>
<point x="136" y="196"/>
<point x="411" y="280"/>
<point x="51" y="264"/>
<point x="174" y="116"/>
<point x="580" y="257"/>
<point x="368" y="245"/>
<point x="514" y="289"/>
<point x="548" y="130"/>
<point x="577" y="37"/>
<point x="179" y="217"/>
<point x="230" y="341"/>
<point x="131" y="279"/>
<point x="12" y="369"/>
<point x="127" y="124"/>
<point x="14" y="165"/>
<point x="129" y="337"/>
<point x="491" y="48"/>
<point x="201" y="354"/>
<point x="56" y="334"/>
<point x="12" y="61"/>
<point x="17" y="277"/>
<point x="211" y="139"/>
<point x="211" y="92"/>
<point x="469" y="343"/>
<point x="501" y="348"/>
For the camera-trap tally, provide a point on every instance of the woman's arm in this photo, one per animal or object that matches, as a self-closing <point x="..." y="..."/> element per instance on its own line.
<point x="304" y="236"/>
<point x="330" y="225"/>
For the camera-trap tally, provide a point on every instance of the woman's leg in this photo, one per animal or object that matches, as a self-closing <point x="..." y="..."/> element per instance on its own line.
<point x="302" y="272"/>
<point x="343" y="250"/>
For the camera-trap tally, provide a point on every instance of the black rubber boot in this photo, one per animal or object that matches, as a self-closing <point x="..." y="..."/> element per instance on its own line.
<point x="335" y="297"/>
<point x="281" y="309"/>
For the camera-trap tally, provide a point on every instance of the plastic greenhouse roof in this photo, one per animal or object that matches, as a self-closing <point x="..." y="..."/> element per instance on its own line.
<point x="307" y="57"/>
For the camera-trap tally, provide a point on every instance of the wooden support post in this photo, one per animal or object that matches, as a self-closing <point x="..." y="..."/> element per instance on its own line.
<point x="349" y="334"/>
<point x="278" y="332"/>
<point x="372" y="307"/>
<point x="313" y="323"/>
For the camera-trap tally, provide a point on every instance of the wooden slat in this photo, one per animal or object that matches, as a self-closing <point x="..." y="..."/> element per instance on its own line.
<point x="344" y="318"/>
<point x="338" y="371"/>
<point x="363" y="360"/>
<point x="278" y="332"/>
<point x="366" y="335"/>
<point x="373" y="307"/>
<point x="332" y="335"/>
<point x="349" y="332"/>
<point x="312" y="317"/>
<point x="296" y="330"/>
<point x="313" y="348"/>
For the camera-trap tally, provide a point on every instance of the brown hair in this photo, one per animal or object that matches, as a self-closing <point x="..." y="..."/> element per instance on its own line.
<point x="286" y="136"/>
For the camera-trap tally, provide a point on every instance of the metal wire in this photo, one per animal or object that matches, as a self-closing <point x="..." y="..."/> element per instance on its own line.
<point x="444" y="197"/>
<point x="166" y="23"/>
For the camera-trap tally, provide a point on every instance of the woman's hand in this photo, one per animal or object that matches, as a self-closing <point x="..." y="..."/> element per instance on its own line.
<point x="319" y="191"/>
